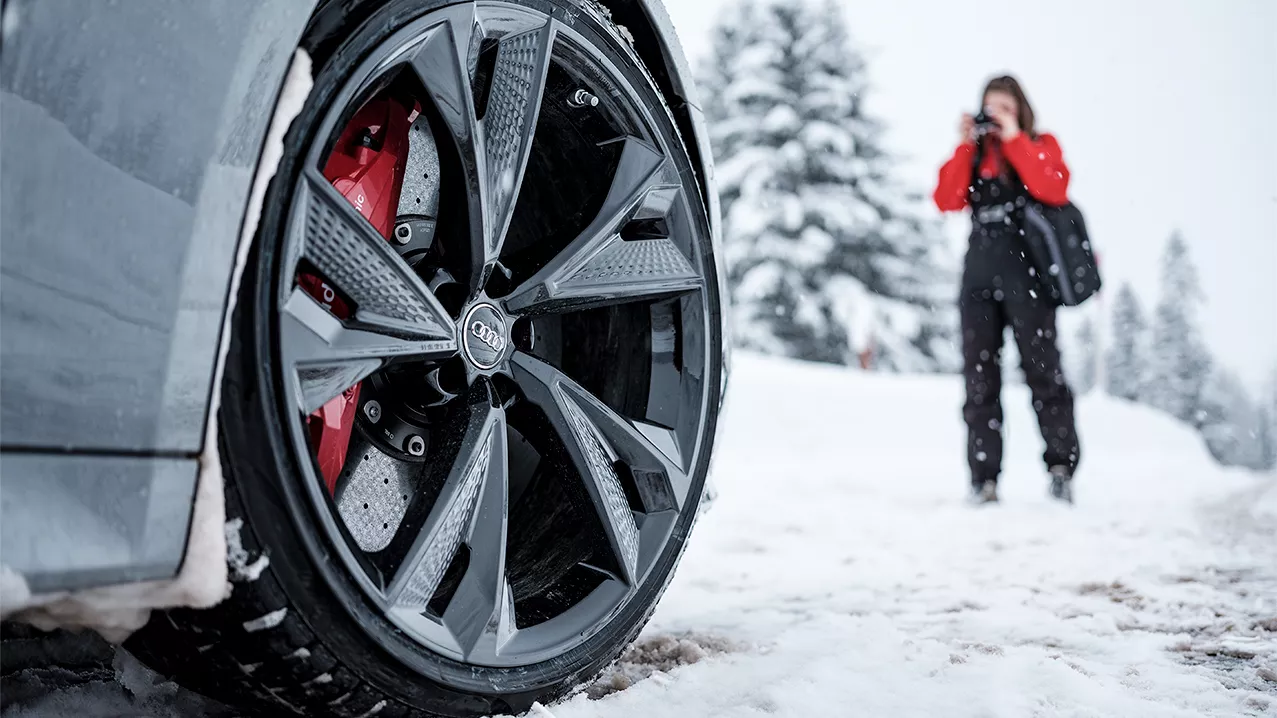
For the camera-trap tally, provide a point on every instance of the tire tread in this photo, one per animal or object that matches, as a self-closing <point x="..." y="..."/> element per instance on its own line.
<point x="281" y="668"/>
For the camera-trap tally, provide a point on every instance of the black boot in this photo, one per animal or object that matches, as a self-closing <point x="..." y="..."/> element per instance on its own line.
<point x="984" y="492"/>
<point x="1061" y="484"/>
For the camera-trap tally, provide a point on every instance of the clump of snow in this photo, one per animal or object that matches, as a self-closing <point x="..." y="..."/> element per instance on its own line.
<point x="237" y="558"/>
<point x="540" y="711"/>
<point x="266" y="621"/>
<point x="842" y="563"/>
<point x="14" y="590"/>
<point x="656" y="656"/>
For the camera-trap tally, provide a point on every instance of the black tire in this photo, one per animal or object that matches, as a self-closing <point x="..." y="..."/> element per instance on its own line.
<point x="322" y="650"/>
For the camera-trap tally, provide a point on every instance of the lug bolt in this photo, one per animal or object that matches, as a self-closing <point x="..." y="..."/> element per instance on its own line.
<point x="372" y="410"/>
<point x="415" y="445"/>
<point x="403" y="233"/>
<point x="582" y="98"/>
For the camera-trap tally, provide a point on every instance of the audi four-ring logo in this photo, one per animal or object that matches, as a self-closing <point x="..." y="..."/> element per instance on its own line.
<point x="488" y="335"/>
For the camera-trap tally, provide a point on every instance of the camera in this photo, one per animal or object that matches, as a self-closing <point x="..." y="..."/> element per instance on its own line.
<point x="985" y="124"/>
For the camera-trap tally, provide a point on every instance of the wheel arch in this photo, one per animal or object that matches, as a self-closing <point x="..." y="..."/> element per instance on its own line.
<point x="648" y="28"/>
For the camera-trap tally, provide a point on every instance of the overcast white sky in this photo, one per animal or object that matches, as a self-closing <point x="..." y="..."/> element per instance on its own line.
<point x="1167" y="113"/>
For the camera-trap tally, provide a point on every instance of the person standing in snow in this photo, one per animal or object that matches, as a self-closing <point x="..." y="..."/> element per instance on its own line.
<point x="997" y="167"/>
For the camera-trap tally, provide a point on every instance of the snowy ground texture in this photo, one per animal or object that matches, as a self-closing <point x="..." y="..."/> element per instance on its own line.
<point x="840" y="573"/>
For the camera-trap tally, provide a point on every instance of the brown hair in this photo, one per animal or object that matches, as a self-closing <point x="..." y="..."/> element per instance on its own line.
<point x="1011" y="86"/>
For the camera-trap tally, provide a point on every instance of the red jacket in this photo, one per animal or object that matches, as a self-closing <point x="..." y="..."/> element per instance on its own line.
<point x="1040" y="164"/>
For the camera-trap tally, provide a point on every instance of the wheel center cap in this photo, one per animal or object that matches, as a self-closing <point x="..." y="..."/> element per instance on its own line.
<point x="483" y="336"/>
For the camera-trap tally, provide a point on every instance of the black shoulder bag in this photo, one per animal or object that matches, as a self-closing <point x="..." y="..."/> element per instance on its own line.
<point x="1059" y="248"/>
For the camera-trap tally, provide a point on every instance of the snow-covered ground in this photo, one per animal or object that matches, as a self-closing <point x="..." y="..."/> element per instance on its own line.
<point x="841" y="574"/>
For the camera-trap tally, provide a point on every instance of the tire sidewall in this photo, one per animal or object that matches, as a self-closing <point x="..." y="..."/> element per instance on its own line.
<point x="263" y="470"/>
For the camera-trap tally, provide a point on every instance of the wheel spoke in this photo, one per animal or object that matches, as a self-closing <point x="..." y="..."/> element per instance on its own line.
<point x="480" y="616"/>
<point x="597" y="438"/>
<point x="330" y="356"/>
<point x="350" y="254"/>
<point x="518" y="85"/>
<point x="442" y="64"/>
<point x="494" y="148"/>
<point x="471" y="509"/>
<point x="603" y="266"/>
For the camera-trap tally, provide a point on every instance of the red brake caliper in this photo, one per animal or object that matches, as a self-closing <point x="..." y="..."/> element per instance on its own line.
<point x="366" y="167"/>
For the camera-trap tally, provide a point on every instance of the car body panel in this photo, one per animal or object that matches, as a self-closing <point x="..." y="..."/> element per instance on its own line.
<point x="130" y="132"/>
<point x="130" y="135"/>
<point x="78" y="521"/>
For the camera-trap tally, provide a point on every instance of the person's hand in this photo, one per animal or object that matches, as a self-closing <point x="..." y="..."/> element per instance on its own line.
<point x="1009" y="123"/>
<point x="966" y="130"/>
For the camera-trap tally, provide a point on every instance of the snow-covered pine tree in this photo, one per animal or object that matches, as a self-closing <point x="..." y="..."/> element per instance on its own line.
<point x="1127" y="362"/>
<point x="826" y="254"/>
<point x="1231" y="422"/>
<point x="1180" y="364"/>
<point x="1268" y="425"/>
<point x="733" y="35"/>
<point x="774" y="275"/>
<point x="1267" y="439"/>
<point x="1084" y="360"/>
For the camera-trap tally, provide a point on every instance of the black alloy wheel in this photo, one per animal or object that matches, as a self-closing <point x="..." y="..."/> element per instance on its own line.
<point x="475" y="378"/>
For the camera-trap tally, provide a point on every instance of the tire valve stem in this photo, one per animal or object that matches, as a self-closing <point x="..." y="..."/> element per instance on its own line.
<point x="416" y="445"/>
<point x="583" y="98"/>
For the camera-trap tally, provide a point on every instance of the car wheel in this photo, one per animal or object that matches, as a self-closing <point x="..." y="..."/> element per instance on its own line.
<point x="474" y="376"/>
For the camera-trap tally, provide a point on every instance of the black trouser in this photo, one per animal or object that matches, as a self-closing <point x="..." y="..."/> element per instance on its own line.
<point x="986" y="312"/>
